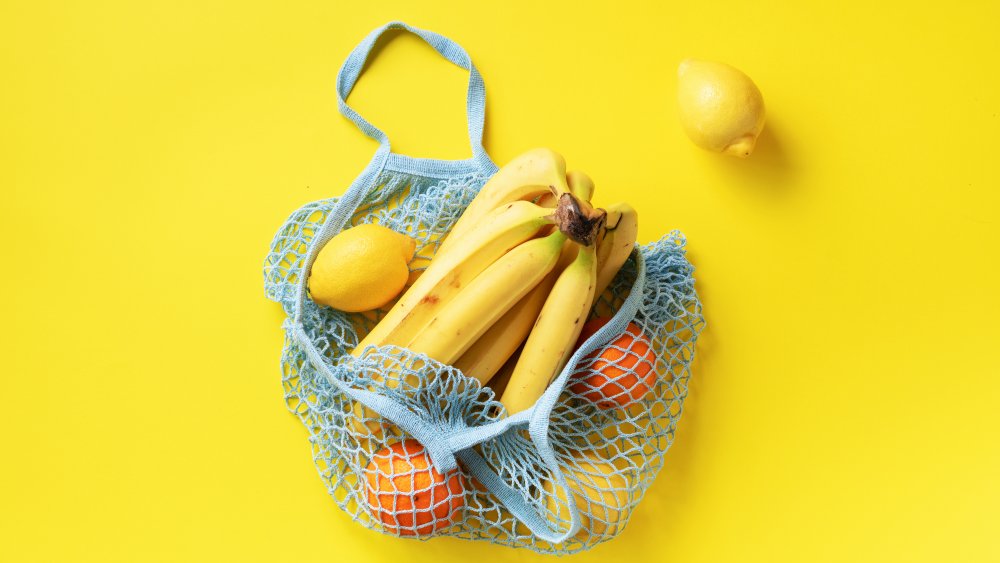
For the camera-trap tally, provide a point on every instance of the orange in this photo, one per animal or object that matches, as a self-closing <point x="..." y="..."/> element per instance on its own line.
<point x="619" y="374"/>
<point x="408" y="494"/>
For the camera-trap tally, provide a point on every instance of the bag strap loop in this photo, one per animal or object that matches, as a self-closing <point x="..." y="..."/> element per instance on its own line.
<point x="475" y="99"/>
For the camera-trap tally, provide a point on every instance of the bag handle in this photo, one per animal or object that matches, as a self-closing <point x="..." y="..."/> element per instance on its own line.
<point x="476" y="97"/>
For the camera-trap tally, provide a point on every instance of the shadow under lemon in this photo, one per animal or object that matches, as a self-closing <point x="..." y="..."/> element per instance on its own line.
<point x="769" y="172"/>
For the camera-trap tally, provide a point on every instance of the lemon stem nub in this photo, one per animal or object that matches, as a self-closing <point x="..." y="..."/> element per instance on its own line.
<point x="741" y="147"/>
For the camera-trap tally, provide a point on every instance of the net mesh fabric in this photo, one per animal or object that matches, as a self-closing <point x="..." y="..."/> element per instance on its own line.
<point x="607" y="446"/>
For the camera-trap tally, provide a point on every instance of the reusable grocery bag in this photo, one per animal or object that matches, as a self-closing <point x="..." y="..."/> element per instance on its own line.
<point x="559" y="477"/>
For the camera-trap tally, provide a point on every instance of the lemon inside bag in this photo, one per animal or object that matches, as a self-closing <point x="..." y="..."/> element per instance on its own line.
<point x="607" y="456"/>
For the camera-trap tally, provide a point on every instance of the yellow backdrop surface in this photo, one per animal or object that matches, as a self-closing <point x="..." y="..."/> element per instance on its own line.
<point x="845" y="394"/>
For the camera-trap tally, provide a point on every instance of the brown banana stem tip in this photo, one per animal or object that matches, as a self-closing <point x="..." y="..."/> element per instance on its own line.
<point x="578" y="220"/>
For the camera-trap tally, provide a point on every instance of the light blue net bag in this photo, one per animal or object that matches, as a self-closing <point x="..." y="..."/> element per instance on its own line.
<point x="559" y="477"/>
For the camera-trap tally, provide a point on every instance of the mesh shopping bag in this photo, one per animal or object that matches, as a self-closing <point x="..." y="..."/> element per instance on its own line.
<point x="431" y="451"/>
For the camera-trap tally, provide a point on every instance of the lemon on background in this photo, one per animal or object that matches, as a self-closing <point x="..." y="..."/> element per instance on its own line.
<point x="361" y="268"/>
<point x="721" y="109"/>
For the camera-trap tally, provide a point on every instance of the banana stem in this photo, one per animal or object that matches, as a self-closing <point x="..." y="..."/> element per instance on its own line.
<point x="578" y="220"/>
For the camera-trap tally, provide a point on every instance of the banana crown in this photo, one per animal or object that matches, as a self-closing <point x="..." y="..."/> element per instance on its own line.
<point x="578" y="220"/>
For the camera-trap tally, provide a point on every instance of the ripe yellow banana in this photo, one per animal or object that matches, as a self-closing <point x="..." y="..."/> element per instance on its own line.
<point x="487" y="298"/>
<point x="536" y="172"/>
<point x="614" y="248"/>
<point x="502" y="229"/>
<point x="499" y="381"/>
<point x="579" y="184"/>
<point x="488" y="354"/>
<point x="467" y="316"/>
<point x="555" y="332"/>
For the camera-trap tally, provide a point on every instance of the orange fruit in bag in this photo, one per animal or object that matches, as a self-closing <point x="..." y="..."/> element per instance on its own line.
<point x="408" y="494"/>
<point x="620" y="373"/>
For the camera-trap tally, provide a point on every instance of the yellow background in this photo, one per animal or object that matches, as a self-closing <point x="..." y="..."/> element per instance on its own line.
<point x="845" y="392"/>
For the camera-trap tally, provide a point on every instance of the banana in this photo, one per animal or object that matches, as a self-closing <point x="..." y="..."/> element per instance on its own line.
<point x="487" y="298"/>
<point x="536" y="172"/>
<point x="482" y="360"/>
<point x="616" y="245"/>
<point x="499" y="381"/>
<point x="503" y="229"/>
<point x="489" y="353"/>
<point x="551" y="341"/>
<point x="579" y="184"/>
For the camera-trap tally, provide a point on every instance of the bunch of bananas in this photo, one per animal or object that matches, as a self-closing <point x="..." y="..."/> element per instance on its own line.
<point x="520" y="269"/>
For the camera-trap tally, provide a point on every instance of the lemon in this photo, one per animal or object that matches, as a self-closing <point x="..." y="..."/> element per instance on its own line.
<point x="721" y="108"/>
<point x="361" y="268"/>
